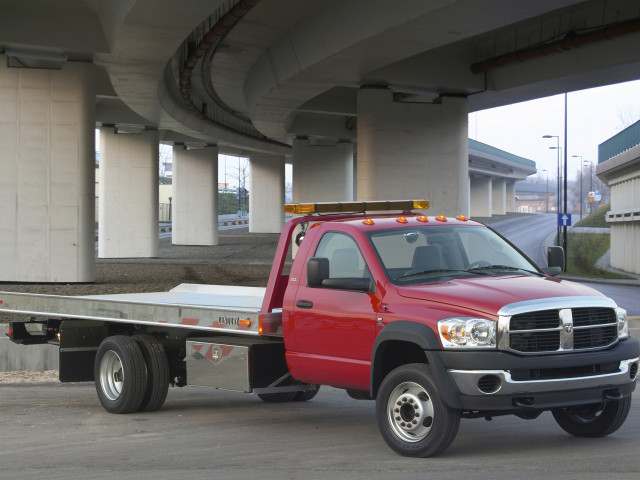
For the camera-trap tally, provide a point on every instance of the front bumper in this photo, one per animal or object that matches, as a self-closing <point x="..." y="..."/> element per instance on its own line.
<point x="500" y="381"/>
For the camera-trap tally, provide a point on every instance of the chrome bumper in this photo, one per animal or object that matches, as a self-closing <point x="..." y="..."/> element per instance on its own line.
<point x="467" y="381"/>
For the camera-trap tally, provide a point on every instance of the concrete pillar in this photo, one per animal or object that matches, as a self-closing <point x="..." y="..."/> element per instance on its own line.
<point x="480" y="197"/>
<point x="322" y="173"/>
<point x="266" y="193"/>
<point x="47" y="166"/>
<point x="413" y="150"/>
<point x="498" y="196"/>
<point x="128" y="194"/>
<point x="511" y="196"/>
<point x="195" y="196"/>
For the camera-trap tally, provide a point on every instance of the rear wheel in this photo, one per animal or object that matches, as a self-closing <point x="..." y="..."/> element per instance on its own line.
<point x="157" y="365"/>
<point x="120" y="374"/>
<point x="411" y="416"/>
<point x="594" y="420"/>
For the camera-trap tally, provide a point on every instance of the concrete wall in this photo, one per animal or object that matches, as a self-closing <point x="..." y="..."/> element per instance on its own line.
<point x="266" y="193"/>
<point x="195" y="196"/>
<point x="128" y="194"/>
<point x="322" y="173"/>
<point x="410" y="150"/>
<point x="47" y="174"/>
<point x="29" y="358"/>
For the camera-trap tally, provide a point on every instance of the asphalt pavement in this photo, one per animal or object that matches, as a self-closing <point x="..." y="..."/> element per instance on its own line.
<point x="60" y="431"/>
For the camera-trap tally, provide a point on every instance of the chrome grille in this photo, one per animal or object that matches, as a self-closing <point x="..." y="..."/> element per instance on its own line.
<point x="559" y="329"/>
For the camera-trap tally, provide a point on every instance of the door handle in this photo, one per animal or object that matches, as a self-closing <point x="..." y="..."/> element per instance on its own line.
<point x="304" y="304"/>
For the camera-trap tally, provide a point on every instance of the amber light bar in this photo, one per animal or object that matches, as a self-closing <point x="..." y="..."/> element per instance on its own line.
<point x="349" y="207"/>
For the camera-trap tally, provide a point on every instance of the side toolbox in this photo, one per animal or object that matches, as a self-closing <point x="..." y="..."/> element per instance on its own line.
<point x="243" y="365"/>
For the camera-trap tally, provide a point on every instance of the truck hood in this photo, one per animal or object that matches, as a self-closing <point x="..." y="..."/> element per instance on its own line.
<point x="489" y="294"/>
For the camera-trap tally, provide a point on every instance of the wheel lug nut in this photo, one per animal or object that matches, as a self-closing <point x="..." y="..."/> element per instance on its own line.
<point x="411" y="400"/>
<point x="398" y="418"/>
<point x="397" y="410"/>
<point x="415" y="422"/>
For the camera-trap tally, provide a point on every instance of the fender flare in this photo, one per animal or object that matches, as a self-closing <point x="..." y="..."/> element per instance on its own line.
<point x="427" y="340"/>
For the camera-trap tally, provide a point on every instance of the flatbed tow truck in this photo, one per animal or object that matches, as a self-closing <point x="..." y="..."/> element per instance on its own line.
<point x="434" y="318"/>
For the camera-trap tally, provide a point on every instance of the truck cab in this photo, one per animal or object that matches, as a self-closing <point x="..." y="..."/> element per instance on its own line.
<point x="442" y="318"/>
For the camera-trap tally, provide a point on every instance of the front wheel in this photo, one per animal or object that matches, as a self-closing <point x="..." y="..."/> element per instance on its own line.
<point x="412" y="417"/>
<point x="594" y="420"/>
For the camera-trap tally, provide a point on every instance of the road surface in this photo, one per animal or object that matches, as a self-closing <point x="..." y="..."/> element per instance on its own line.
<point x="60" y="431"/>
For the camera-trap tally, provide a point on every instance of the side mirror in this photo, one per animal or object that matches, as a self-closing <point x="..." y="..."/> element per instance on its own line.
<point x="555" y="260"/>
<point x="317" y="271"/>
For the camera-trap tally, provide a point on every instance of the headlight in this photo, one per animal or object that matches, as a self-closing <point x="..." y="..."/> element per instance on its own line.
<point x="467" y="332"/>
<point x="623" y="326"/>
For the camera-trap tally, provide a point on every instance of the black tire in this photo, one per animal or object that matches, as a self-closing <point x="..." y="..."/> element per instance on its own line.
<point x="120" y="374"/>
<point x="277" y="397"/>
<point x="411" y="416"/>
<point x="594" y="420"/>
<point x="307" y="394"/>
<point x="158" y="376"/>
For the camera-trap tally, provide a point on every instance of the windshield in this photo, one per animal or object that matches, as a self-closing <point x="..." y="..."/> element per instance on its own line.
<point x="428" y="254"/>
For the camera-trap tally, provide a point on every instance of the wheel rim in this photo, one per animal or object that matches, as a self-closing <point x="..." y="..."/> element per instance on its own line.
<point x="410" y="412"/>
<point x="111" y="375"/>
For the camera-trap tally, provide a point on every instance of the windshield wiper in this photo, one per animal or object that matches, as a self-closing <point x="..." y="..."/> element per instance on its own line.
<point x="507" y="268"/>
<point x="438" y="270"/>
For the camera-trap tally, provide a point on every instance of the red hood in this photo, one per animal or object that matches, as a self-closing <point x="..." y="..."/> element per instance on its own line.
<point x="490" y="294"/>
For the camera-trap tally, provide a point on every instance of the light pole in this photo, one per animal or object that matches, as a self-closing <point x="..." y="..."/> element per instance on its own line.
<point x="547" y="192"/>
<point x="557" y="147"/>
<point x="590" y="183"/>
<point x="581" y="202"/>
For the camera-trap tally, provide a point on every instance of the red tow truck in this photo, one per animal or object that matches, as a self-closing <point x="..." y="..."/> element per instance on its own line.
<point x="434" y="318"/>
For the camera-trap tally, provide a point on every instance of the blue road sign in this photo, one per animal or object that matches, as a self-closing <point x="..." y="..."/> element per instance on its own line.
<point x="564" y="219"/>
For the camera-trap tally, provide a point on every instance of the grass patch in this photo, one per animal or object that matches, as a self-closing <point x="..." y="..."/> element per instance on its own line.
<point x="597" y="219"/>
<point x="584" y="250"/>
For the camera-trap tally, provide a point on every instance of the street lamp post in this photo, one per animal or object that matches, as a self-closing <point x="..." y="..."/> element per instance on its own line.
<point x="557" y="147"/>
<point x="547" y="192"/>
<point x="581" y="200"/>
<point x="590" y="183"/>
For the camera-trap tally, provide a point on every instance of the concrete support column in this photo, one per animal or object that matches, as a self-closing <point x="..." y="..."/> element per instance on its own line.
<point x="413" y="150"/>
<point x="322" y="173"/>
<point x="480" y="197"/>
<point x="195" y="196"/>
<point x="511" y="196"/>
<point x="128" y="194"/>
<point x="266" y="193"/>
<point x="498" y="196"/>
<point x="47" y="166"/>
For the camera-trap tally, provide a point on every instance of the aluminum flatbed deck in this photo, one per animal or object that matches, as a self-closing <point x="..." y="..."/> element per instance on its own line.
<point x="213" y="308"/>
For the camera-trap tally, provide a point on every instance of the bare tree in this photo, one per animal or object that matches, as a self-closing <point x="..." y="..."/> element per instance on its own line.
<point x="627" y="116"/>
<point x="165" y="157"/>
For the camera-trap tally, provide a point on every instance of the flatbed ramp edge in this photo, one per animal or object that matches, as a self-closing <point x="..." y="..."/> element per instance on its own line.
<point x="210" y="308"/>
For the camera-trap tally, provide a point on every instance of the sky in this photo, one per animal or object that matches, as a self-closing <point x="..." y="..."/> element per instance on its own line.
<point x="593" y="116"/>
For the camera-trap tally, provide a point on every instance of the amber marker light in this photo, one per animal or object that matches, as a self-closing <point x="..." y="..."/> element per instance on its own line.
<point x="402" y="220"/>
<point x="246" y="322"/>
<point x="368" y="221"/>
<point x="422" y="218"/>
<point x="462" y="218"/>
<point x="260" y="330"/>
<point x="441" y="218"/>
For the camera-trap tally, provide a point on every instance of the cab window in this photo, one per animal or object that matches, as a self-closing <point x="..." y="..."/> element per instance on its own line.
<point x="345" y="259"/>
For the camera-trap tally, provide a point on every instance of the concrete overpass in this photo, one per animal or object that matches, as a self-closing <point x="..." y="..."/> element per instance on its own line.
<point x="368" y="99"/>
